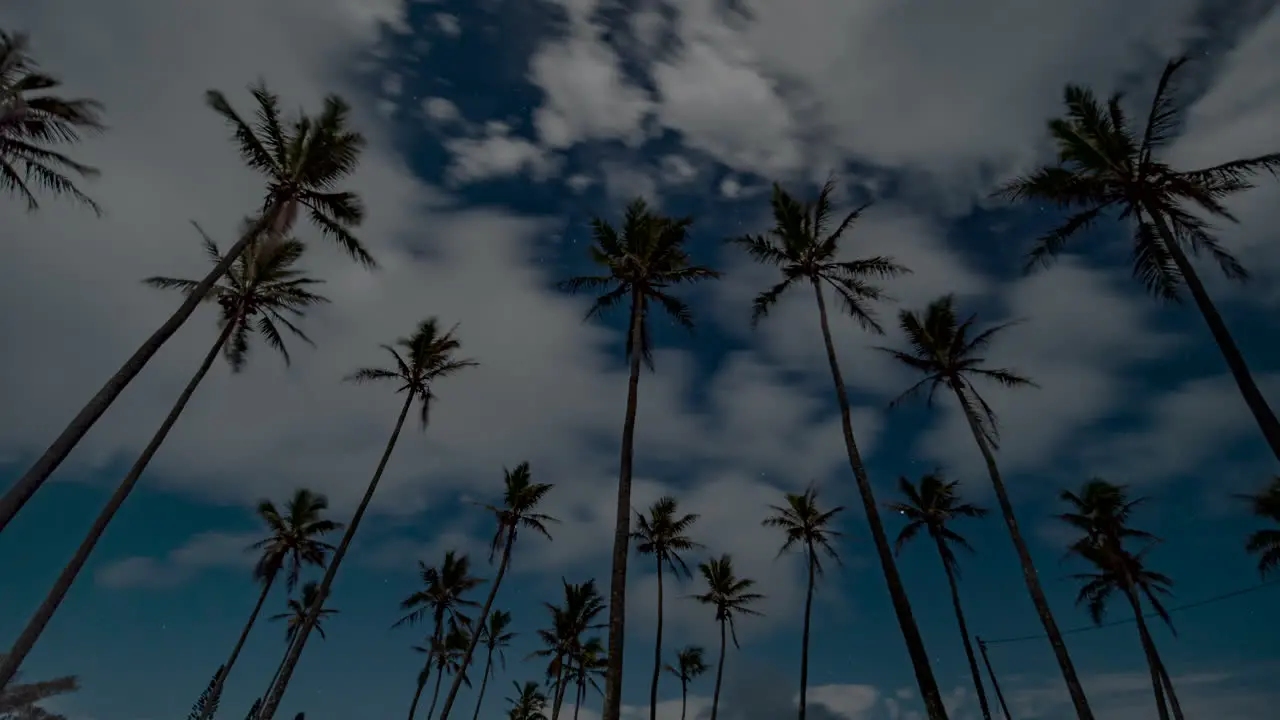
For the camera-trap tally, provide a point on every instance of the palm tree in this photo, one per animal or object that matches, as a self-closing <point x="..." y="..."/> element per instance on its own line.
<point x="689" y="666"/>
<point x="18" y="701"/>
<point x="1101" y="511"/>
<point x="293" y="543"/>
<point x="528" y="704"/>
<point x="521" y="497"/>
<point x="1103" y="169"/>
<point x="445" y="654"/>
<point x="428" y="356"/>
<point x="808" y="528"/>
<point x="946" y="352"/>
<point x="562" y="642"/>
<point x="303" y="162"/>
<point x="441" y="599"/>
<point x="262" y="288"/>
<point x="589" y="664"/>
<point x="1265" y="543"/>
<point x="931" y="507"/>
<point x="31" y="120"/>
<point x="730" y="595"/>
<point x="206" y="704"/>
<point x="662" y="534"/>
<point x="804" y="247"/>
<point x="295" y="616"/>
<point x="496" y="639"/>
<point x="641" y="261"/>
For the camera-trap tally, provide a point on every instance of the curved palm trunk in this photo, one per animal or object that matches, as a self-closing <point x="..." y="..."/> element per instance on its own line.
<point x="417" y="691"/>
<point x="235" y="651"/>
<point x="1148" y="649"/>
<point x="1029" y="574"/>
<point x="579" y="697"/>
<point x="657" y="652"/>
<point x="274" y="677"/>
<point x="1253" y="398"/>
<point x="622" y="529"/>
<point x="484" y="683"/>
<point x="897" y="593"/>
<point x="435" y="695"/>
<point x="456" y="685"/>
<point x="804" y="637"/>
<point x="31" y="481"/>
<point x="964" y="630"/>
<point x="35" y="626"/>
<point x="558" y="697"/>
<point x="295" y="651"/>
<point x="715" y="696"/>
<point x="995" y="684"/>
<point x="1174" y="705"/>
<point x="684" y="697"/>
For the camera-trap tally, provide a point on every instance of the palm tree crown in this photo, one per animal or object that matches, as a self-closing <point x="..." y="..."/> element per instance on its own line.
<point x="260" y="293"/>
<point x="31" y="120"/>
<point x="663" y="533"/>
<point x="1265" y="543"/>
<point x="806" y="526"/>
<point x="298" y="608"/>
<point x="427" y="356"/>
<point x="520" y="496"/>
<point x="729" y="594"/>
<point x="931" y="507"/>
<point x="495" y="635"/>
<point x="690" y="664"/>
<point x="442" y="593"/>
<point x="528" y="703"/>
<point x="294" y="536"/>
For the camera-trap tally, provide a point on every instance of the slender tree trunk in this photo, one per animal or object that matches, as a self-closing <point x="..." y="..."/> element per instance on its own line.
<point x="35" y="626"/>
<point x="579" y="697"/>
<point x="715" y="696"/>
<point x="1029" y="574"/>
<point x="456" y="685"/>
<point x="295" y="651"/>
<point x="684" y="697"/>
<point x="558" y="696"/>
<point x="1253" y="398"/>
<point x="435" y="695"/>
<point x="484" y="683"/>
<point x="31" y="481"/>
<point x="423" y="675"/>
<point x="804" y="636"/>
<point x="275" y="676"/>
<point x="1148" y="649"/>
<point x="657" y="651"/>
<point x="622" y="529"/>
<point x="235" y="651"/>
<point x="995" y="684"/>
<point x="897" y="593"/>
<point x="1174" y="705"/>
<point x="964" y="630"/>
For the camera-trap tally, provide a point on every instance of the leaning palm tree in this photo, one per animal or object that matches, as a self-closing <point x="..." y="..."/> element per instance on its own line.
<point x="689" y="666"/>
<point x="528" y="703"/>
<point x="589" y="664"/>
<point x="641" y="261"/>
<point x="422" y="359"/>
<point x="1265" y="543"/>
<point x="946" y="352"/>
<point x="445" y="656"/>
<point x="520" y="500"/>
<point x="804" y="247"/>
<point x="295" y="617"/>
<point x="1104" y="169"/>
<point x="1101" y="511"/>
<point x="31" y="120"/>
<point x="662" y="534"/>
<point x="293" y="543"/>
<point x="730" y="596"/>
<point x="931" y="507"/>
<point x="442" y="599"/>
<point x="807" y="528"/>
<point x="20" y="701"/>
<point x="303" y="161"/>
<point x="496" y="640"/>
<point x="562" y="642"/>
<point x="263" y="288"/>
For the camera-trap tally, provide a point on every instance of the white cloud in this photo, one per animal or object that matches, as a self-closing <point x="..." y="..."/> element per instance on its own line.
<point x="200" y="552"/>
<point x="497" y="153"/>
<point x="441" y="110"/>
<point x="448" y="24"/>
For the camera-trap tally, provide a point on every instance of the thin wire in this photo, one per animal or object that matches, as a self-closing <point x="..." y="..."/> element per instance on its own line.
<point x="1112" y="623"/>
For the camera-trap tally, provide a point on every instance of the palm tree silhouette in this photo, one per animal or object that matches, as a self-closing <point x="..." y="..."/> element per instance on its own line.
<point x="528" y="704"/>
<point x="295" y="617"/>
<point x="689" y="666"/>
<point x="441" y="599"/>
<point x="562" y="642"/>
<point x="730" y="596"/>
<point x="496" y="639"/>
<point x="1265" y="542"/>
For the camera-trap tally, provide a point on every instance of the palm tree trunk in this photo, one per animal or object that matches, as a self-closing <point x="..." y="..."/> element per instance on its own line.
<point x="897" y="593"/>
<point x="684" y="698"/>
<point x="484" y="683"/>
<point x="275" y="676"/>
<point x="31" y="481"/>
<point x="715" y="696"/>
<point x="295" y="651"/>
<point x="35" y="626"/>
<point x="1029" y="575"/>
<point x="622" y="528"/>
<point x="1174" y="705"/>
<point x="435" y="695"/>
<point x="964" y="630"/>
<point x="804" y="636"/>
<point x="580" y="695"/>
<point x="1148" y="649"/>
<point x="558" y="696"/>
<point x="1253" y="398"/>
<point x="995" y="684"/>
<point x="657" y="650"/>
<point x="417" y="691"/>
<point x="456" y="685"/>
<point x="235" y="651"/>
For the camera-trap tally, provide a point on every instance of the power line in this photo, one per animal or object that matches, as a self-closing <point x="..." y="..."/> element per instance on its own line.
<point x="1123" y="621"/>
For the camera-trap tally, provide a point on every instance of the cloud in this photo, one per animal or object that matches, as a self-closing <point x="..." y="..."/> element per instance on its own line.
<point x="204" y="551"/>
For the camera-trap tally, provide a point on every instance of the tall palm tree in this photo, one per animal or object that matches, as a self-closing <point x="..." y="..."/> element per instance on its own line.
<point x="808" y="528"/>
<point x="804" y="247"/>
<point x="528" y="704"/>
<point x="520" y="499"/>
<point x="445" y="655"/>
<point x="1101" y="511"/>
<point x="1104" y="169"/>
<point x="32" y="119"/>
<point x="1265" y="543"/>
<point x="303" y="161"/>
<point x="689" y="666"/>
<point x="931" y="507"/>
<point x="589" y="664"/>
<point x="264" y="286"/>
<point x="562" y="642"/>
<point x="441" y="599"/>
<point x="422" y="359"/>
<point x="641" y="261"/>
<point x="947" y="353"/>
<point x="496" y="640"/>
<point x="662" y="534"/>
<point x="295" y="617"/>
<point x="293" y="543"/>
<point x="730" y="596"/>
